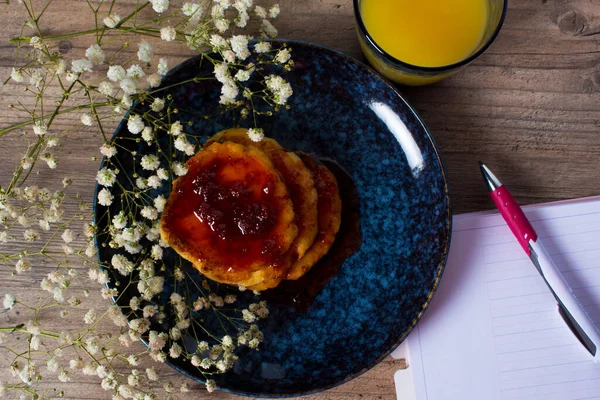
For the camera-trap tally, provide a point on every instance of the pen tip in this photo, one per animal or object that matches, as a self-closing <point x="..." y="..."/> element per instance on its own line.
<point x="480" y="163"/>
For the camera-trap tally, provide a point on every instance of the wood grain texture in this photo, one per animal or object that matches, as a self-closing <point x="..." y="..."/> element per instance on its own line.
<point x="529" y="107"/>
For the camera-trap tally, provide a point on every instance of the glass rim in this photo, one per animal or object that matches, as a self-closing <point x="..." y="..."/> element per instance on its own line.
<point x="418" y="68"/>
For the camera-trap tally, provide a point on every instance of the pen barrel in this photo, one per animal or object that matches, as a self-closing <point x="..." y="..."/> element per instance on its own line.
<point x="514" y="217"/>
<point x="564" y="293"/>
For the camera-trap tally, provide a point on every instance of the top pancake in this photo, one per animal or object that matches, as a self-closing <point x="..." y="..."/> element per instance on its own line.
<point x="298" y="179"/>
<point x="231" y="216"/>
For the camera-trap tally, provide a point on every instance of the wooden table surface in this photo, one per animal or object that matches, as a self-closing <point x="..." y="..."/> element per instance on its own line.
<point x="529" y="107"/>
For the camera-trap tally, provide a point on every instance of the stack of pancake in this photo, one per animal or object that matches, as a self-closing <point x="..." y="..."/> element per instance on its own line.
<point x="252" y="213"/>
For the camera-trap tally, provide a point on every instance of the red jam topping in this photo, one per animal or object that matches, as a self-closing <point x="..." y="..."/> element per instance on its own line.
<point x="225" y="211"/>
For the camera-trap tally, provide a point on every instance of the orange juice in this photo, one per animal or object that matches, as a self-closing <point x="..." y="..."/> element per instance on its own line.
<point x="426" y="33"/>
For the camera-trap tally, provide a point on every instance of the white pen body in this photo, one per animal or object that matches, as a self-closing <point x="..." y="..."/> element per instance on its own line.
<point x="564" y="292"/>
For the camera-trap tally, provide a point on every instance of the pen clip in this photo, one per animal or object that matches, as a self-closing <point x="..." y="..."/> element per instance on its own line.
<point x="564" y="313"/>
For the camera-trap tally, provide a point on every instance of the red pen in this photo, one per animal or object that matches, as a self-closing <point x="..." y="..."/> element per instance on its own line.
<point x="569" y="307"/>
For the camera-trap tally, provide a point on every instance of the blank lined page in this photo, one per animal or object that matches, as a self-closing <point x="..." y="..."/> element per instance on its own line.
<point x="493" y="330"/>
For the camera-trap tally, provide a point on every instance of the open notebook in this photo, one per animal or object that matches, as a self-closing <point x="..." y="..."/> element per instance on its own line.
<point x="492" y="331"/>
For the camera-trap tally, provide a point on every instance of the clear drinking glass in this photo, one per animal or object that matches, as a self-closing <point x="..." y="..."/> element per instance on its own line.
<point x="414" y="75"/>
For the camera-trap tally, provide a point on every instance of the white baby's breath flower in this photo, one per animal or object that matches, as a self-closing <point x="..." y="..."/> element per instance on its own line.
<point x="256" y="134"/>
<point x="268" y="29"/>
<point x="120" y="220"/>
<point x="274" y="11"/>
<point x="175" y="350"/>
<point x="141" y="183"/>
<point x="129" y="86"/>
<point x="156" y="252"/>
<point x="242" y="19"/>
<point x="242" y="75"/>
<point x="90" y="317"/>
<point x="108" y="293"/>
<point x="218" y="42"/>
<point x="135" y="71"/>
<point x="50" y="159"/>
<point x="144" y="51"/>
<point x="248" y="316"/>
<point x="168" y="33"/>
<point x="106" y="88"/>
<point x="211" y="386"/>
<point x="175" y="333"/>
<point x="68" y="250"/>
<point x="126" y="100"/>
<point x="221" y="24"/>
<point x="35" y="42"/>
<point x="239" y="45"/>
<point x="154" y="80"/>
<point x="95" y="54"/>
<point x="151" y="374"/>
<point x="159" y="202"/>
<point x="148" y="134"/>
<point x="149" y="212"/>
<point x="17" y="76"/>
<point x="71" y="76"/>
<point x="106" y="177"/>
<point x="196" y="360"/>
<point x="219" y="7"/>
<point x="40" y="128"/>
<point x="76" y="363"/>
<point x="135" y="124"/>
<point x="154" y="182"/>
<point x="112" y="20"/>
<point x="221" y="72"/>
<point x="82" y="65"/>
<point x="87" y="119"/>
<point x="36" y="77"/>
<point x="105" y="198"/>
<point x="67" y="236"/>
<point x="229" y="92"/>
<point x="157" y="341"/>
<point x="162" y="174"/>
<point x="179" y="169"/>
<point x="229" y="56"/>
<point x="260" y="12"/>
<point x="27" y="163"/>
<point x="116" y="73"/>
<point x="150" y="162"/>
<point x="283" y="56"/>
<point x="262" y="47"/>
<point x="24" y="221"/>
<point x="160" y="6"/>
<point x="64" y="376"/>
<point x="158" y="104"/>
<point x="9" y="301"/>
<point x="190" y="9"/>
<point x="122" y="264"/>
<point x="149" y="311"/>
<point x="163" y="67"/>
<point x="182" y="144"/>
<point x="108" y="150"/>
<point x="176" y="128"/>
<point x="279" y="87"/>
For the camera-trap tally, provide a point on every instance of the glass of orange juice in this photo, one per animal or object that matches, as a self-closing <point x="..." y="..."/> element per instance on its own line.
<point x="418" y="42"/>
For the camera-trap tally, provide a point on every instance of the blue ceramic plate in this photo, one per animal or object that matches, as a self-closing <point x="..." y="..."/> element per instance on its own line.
<point x="343" y="111"/>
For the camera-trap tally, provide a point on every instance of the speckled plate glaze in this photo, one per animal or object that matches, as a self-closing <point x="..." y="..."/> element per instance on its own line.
<point x="344" y="111"/>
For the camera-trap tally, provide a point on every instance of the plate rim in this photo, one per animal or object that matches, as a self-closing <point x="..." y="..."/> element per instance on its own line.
<point x="439" y="269"/>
